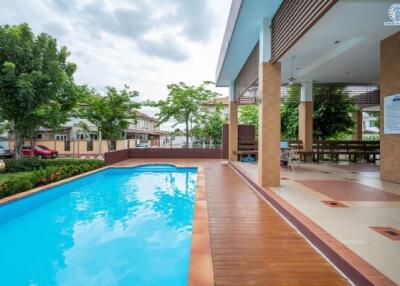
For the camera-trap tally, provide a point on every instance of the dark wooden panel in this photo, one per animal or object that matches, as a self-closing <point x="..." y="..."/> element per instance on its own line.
<point x="292" y="20"/>
<point x="249" y="73"/>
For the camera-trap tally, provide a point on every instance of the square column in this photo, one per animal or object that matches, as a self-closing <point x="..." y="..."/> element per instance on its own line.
<point x="390" y="86"/>
<point x="306" y="118"/>
<point x="269" y="134"/>
<point x="357" y="132"/>
<point x="233" y="130"/>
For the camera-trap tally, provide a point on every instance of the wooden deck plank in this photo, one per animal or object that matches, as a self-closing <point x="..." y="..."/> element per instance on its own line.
<point x="251" y="244"/>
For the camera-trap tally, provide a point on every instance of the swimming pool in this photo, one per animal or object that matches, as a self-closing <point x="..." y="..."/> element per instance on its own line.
<point x="120" y="226"/>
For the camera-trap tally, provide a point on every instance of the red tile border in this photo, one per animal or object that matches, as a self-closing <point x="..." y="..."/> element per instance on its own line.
<point x="334" y="204"/>
<point x="359" y="271"/>
<point x="387" y="231"/>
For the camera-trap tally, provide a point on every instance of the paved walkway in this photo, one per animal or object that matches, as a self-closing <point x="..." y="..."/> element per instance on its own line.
<point x="251" y="243"/>
<point x="363" y="205"/>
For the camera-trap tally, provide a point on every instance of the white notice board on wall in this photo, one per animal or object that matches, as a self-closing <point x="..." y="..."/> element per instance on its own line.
<point x="391" y="107"/>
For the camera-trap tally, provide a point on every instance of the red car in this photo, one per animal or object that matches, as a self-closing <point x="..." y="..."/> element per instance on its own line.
<point x="39" y="151"/>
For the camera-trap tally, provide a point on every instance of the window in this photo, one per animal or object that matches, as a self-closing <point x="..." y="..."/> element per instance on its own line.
<point x="61" y="137"/>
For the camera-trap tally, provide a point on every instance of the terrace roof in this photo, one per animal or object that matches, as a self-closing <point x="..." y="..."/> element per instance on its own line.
<point x="241" y="35"/>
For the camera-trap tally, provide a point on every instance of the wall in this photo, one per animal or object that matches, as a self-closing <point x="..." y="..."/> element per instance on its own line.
<point x="176" y="153"/>
<point x="116" y="156"/>
<point x="79" y="148"/>
<point x="390" y="85"/>
<point x="161" y="153"/>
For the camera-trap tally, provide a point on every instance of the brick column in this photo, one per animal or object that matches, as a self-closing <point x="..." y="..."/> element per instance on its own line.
<point x="269" y="134"/>
<point x="306" y="118"/>
<point x="390" y="85"/>
<point x="233" y="130"/>
<point x="357" y="132"/>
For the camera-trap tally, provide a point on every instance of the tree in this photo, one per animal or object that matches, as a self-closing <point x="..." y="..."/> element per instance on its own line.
<point x="290" y="113"/>
<point x="112" y="113"/>
<point x="331" y="117"/>
<point x="34" y="73"/>
<point x="332" y="111"/>
<point x="248" y="114"/>
<point x="210" y="125"/>
<point x="184" y="104"/>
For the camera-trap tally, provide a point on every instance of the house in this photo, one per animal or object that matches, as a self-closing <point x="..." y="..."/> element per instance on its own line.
<point x="223" y="102"/>
<point x="79" y="137"/>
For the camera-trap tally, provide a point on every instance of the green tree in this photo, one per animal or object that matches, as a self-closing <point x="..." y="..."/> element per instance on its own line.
<point x="184" y="104"/>
<point x="290" y="113"/>
<point x="332" y="111"/>
<point x="331" y="117"/>
<point x="248" y="114"/>
<point x="112" y="113"/>
<point x="34" y="73"/>
<point x="210" y="125"/>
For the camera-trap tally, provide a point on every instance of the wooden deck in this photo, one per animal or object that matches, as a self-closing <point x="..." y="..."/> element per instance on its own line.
<point x="251" y="243"/>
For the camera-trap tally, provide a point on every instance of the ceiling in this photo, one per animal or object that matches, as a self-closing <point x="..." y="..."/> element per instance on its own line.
<point x="342" y="47"/>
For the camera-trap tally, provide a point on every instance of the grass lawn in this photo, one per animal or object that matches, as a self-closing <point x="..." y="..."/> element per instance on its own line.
<point x="4" y="177"/>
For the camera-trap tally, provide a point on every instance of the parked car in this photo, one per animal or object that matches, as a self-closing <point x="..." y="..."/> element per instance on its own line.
<point x="5" y="153"/>
<point x="143" y="145"/>
<point x="39" y="151"/>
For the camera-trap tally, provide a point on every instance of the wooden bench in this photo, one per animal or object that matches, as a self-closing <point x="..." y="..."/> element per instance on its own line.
<point x="246" y="147"/>
<point x="369" y="150"/>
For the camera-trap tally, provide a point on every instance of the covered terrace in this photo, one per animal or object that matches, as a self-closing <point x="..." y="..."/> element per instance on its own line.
<point x="268" y="46"/>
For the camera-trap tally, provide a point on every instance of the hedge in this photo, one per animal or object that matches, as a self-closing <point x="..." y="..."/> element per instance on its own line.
<point x="44" y="176"/>
<point x="31" y="164"/>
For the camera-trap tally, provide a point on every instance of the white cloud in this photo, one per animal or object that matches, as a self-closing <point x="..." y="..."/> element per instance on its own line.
<point x="145" y="44"/>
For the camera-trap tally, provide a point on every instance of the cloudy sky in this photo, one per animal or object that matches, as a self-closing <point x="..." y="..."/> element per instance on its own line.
<point x="145" y="44"/>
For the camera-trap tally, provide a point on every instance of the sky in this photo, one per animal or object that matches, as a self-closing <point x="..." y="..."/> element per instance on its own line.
<point x="145" y="44"/>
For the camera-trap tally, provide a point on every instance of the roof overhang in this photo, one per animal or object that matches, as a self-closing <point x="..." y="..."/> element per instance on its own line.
<point x="242" y="35"/>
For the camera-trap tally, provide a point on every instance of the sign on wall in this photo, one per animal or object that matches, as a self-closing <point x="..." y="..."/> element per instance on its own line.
<point x="391" y="107"/>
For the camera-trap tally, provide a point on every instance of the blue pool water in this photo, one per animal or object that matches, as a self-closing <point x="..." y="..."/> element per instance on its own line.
<point x="115" y="227"/>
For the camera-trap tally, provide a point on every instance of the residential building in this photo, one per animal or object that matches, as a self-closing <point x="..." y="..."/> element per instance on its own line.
<point x="223" y="102"/>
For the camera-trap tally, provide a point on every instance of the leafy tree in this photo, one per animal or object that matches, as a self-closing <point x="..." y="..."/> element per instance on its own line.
<point x="290" y="113"/>
<point x="248" y="114"/>
<point x="331" y="117"/>
<point x="112" y="113"/>
<point x="54" y="114"/>
<point x="210" y="125"/>
<point x="332" y="109"/>
<point x="34" y="73"/>
<point x="184" y="104"/>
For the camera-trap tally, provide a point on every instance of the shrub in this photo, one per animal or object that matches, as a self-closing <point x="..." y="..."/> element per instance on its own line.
<point x="44" y="176"/>
<point x="23" y="165"/>
<point x="30" y="164"/>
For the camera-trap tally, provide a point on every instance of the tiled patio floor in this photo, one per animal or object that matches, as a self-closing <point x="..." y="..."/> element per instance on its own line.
<point x="251" y="243"/>
<point x="348" y="191"/>
<point x="370" y="202"/>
